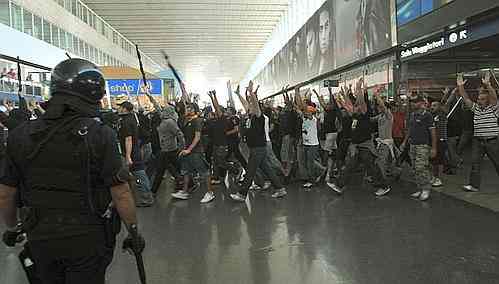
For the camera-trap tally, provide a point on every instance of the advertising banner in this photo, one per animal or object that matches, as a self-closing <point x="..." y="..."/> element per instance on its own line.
<point x="134" y="87"/>
<point x="339" y="33"/>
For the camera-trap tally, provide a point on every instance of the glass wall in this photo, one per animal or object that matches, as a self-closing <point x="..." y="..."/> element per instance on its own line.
<point x="37" y="27"/>
<point x="17" y="17"/>
<point x="4" y="13"/>
<point x="28" y="22"/>
<point x="47" y="34"/>
<point x="25" y="21"/>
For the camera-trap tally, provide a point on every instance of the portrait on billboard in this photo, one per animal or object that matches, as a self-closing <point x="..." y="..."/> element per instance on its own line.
<point x="362" y="28"/>
<point x="297" y="46"/>
<point x="373" y="27"/>
<point x="282" y="67"/>
<point x="326" y="38"/>
<point x="312" y="47"/>
<point x="345" y="13"/>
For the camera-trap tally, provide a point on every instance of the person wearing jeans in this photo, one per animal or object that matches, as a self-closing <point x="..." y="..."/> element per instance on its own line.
<point x="486" y="129"/>
<point x="171" y="140"/>
<point x="258" y="152"/>
<point x="315" y="170"/>
<point x="128" y="134"/>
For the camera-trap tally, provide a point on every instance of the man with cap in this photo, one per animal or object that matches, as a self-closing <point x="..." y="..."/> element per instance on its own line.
<point x="128" y="132"/>
<point x="422" y="138"/>
<point x="67" y="168"/>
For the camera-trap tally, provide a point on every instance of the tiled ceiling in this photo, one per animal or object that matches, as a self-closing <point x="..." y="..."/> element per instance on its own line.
<point x="214" y="39"/>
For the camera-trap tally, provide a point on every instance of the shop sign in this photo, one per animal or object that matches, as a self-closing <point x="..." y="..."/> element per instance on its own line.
<point x="442" y="43"/>
<point x="134" y="87"/>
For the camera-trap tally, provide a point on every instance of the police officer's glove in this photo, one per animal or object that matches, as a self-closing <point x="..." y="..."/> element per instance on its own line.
<point x="12" y="236"/>
<point x="134" y="243"/>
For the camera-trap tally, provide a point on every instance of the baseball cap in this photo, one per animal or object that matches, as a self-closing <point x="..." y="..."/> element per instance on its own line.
<point x="126" y="105"/>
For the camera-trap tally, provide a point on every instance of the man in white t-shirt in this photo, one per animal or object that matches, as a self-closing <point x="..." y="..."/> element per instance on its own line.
<point x="315" y="170"/>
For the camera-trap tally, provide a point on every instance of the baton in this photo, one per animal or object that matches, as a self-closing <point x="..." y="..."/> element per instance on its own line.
<point x="175" y="73"/>
<point x="141" y="66"/>
<point x="454" y="108"/>
<point x="20" y="85"/>
<point x="138" y="259"/>
<point x="140" y="267"/>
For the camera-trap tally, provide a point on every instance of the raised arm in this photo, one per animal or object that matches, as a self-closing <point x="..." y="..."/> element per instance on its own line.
<point x="359" y="92"/>
<point x="379" y="100"/>
<point x="449" y="100"/>
<point x="462" y="92"/>
<point x="156" y="105"/>
<point x="214" y="100"/>
<point x="490" y="88"/>
<point x="254" y="107"/>
<point x="299" y="100"/>
<point x="321" y="100"/>
<point x="242" y="100"/>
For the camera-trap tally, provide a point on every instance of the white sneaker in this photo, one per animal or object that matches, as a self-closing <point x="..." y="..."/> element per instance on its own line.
<point x="416" y="194"/>
<point x="280" y="193"/>
<point x="238" y="197"/>
<point x="215" y="181"/>
<point x="255" y="186"/>
<point x="208" y="197"/>
<point x="226" y="180"/>
<point x="425" y="195"/>
<point x="181" y="195"/>
<point x="334" y="187"/>
<point x="266" y="185"/>
<point x="433" y="179"/>
<point x="383" y="191"/>
<point x="470" y="188"/>
<point x="242" y="175"/>
<point x="308" y="185"/>
<point x="437" y="182"/>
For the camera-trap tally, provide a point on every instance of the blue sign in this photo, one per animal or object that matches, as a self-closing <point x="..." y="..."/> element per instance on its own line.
<point x="134" y="87"/>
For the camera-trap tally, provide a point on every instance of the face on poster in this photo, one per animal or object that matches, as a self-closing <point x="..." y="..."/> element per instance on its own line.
<point x="312" y="47"/>
<point x="339" y="33"/>
<point x="346" y="37"/>
<point x="326" y="38"/>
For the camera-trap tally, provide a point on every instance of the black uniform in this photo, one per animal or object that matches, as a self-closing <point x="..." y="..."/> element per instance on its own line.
<point x="64" y="165"/>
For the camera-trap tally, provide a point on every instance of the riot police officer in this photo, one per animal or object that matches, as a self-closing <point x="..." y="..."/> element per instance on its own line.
<point x="72" y="181"/>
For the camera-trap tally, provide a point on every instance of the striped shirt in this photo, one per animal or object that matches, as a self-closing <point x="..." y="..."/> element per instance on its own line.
<point x="486" y="120"/>
<point x="440" y="120"/>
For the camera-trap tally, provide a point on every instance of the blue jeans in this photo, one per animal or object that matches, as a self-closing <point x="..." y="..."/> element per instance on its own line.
<point x="144" y="193"/>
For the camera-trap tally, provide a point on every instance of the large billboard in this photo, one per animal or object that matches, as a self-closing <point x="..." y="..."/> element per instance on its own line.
<point x="339" y="33"/>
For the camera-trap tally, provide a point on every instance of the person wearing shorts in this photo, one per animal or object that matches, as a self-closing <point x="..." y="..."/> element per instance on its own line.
<point x="192" y="158"/>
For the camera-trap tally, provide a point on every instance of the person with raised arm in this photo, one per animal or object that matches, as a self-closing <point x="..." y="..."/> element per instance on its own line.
<point x="257" y="148"/>
<point x="288" y="121"/>
<point x="218" y="137"/>
<point x="385" y="151"/>
<point x="486" y="128"/>
<point x="192" y="159"/>
<point x="361" y="149"/>
<point x="331" y="123"/>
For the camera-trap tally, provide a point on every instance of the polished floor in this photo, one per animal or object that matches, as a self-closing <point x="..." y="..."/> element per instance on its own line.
<point x="309" y="237"/>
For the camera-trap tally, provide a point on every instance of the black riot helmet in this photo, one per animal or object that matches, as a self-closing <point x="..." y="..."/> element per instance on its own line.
<point x="80" y="78"/>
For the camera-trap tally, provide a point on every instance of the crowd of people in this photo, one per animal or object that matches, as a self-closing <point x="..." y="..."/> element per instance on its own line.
<point x="324" y="142"/>
<point x="62" y="165"/>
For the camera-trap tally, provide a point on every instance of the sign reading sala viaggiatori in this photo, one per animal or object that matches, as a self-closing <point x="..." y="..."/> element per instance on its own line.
<point x="435" y="45"/>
